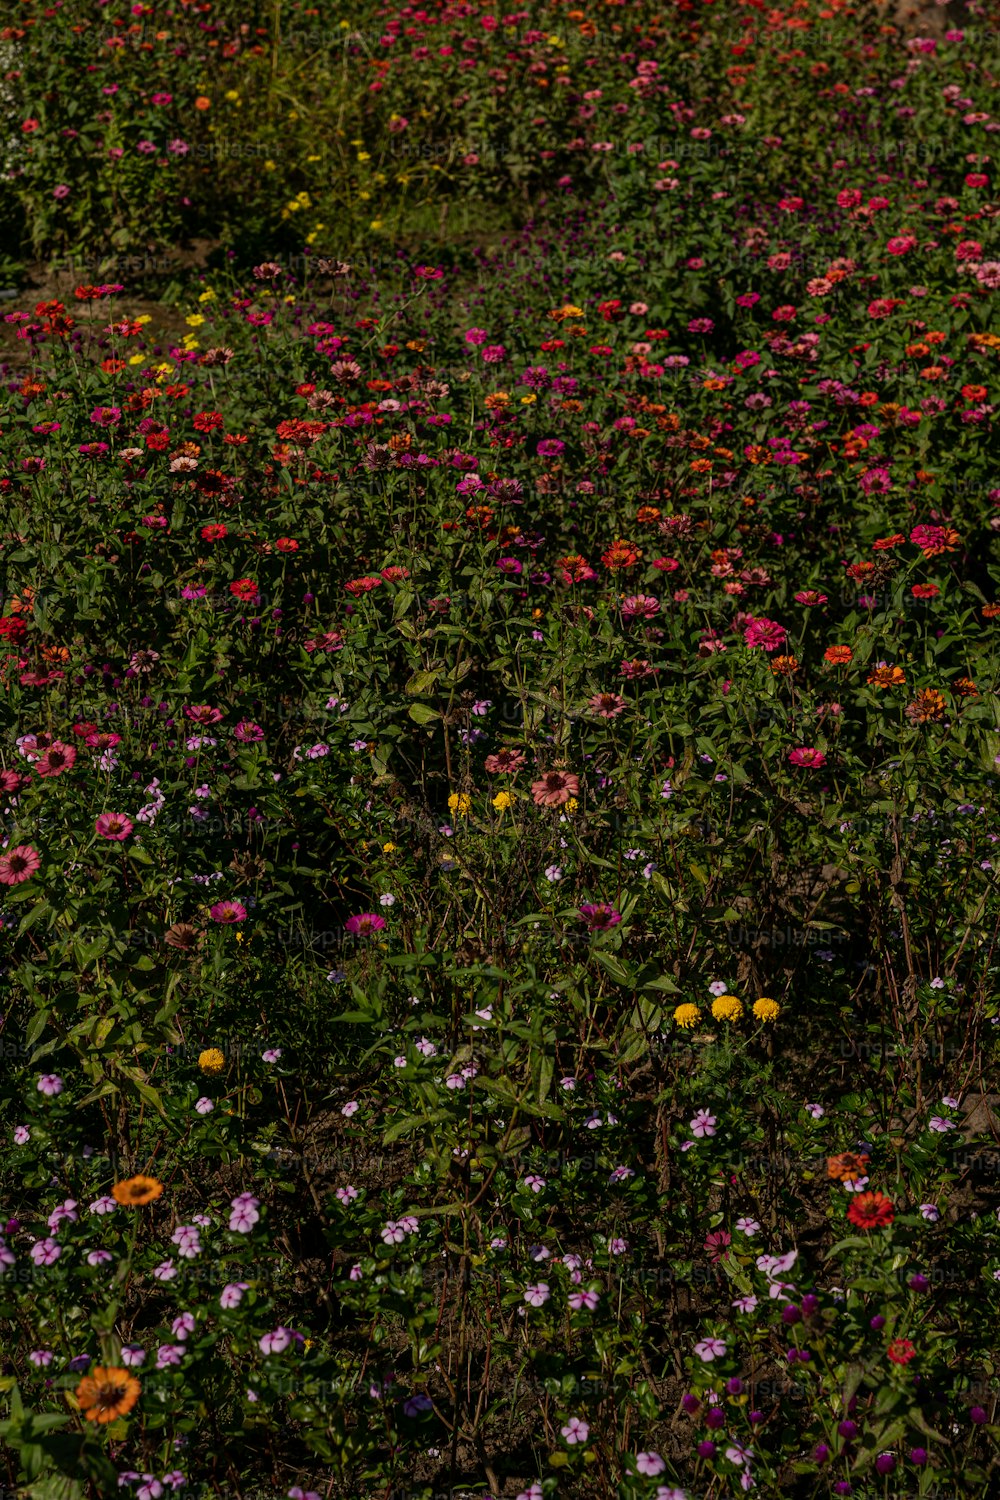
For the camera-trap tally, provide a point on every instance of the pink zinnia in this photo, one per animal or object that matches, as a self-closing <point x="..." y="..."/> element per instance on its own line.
<point x="366" y="922"/>
<point x="805" y="756"/>
<point x="767" y="634"/>
<point x="640" y="606"/>
<point x="504" y="761"/>
<point x="555" y="788"/>
<point x="228" y="911"/>
<point x="113" y="826"/>
<point x="600" y="916"/>
<point x="57" y="758"/>
<point x="19" y="865"/>
<point x="606" y="705"/>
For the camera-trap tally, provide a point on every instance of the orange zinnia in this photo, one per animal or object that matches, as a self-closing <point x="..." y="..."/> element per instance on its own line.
<point x="107" y="1393"/>
<point x="838" y="656"/>
<point x="847" y="1167"/>
<point x="136" y="1192"/>
<point x="887" y="677"/>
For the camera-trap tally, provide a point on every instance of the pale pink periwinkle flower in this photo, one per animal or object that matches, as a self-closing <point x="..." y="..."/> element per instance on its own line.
<point x="244" y="1215"/>
<point x="45" y="1252"/>
<point x="576" y="1430"/>
<point x="275" y="1342"/>
<point x="232" y="1295"/>
<point x="709" y="1349"/>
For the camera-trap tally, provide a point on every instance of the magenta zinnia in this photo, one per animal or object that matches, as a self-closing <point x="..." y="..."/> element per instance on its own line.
<point x="365" y="923"/>
<point x="228" y="911"/>
<point x="600" y="915"/>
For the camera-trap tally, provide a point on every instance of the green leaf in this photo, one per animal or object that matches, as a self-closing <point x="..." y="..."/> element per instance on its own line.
<point x="421" y="682"/>
<point x="422" y="713"/>
<point x="613" y="966"/>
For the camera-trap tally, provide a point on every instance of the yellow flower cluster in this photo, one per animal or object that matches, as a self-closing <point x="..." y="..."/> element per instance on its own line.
<point x="460" y="804"/>
<point x="727" y="1008"/>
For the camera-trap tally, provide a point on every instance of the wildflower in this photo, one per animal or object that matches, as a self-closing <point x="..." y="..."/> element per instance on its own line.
<point x="703" y="1124"/>
<point x="107" y="1393"/>
<point x="460" y="804"/>
<point x="503" y="801"/>
<point x="49" y="1084"/>
<point x="537" y="1295"/>
<point x="901" y="1351"/>
<point x="766" y="1010"/>
<point x="686" y="1015"/>
<point x="212" y="1061"/>
<point x="575" y="1431"/>
<point x="137" y="1192"/>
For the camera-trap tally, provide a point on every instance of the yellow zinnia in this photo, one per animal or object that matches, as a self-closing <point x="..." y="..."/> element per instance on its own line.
<point x="727" y="1008"/>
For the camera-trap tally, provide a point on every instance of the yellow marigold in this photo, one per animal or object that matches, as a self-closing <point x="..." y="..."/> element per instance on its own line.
<point x="460" y="803"/>
<point x="572" y="805"/>
<point x="687" y="1015"/>
<point x="389" y="848"/>
<point x="727" y="1008"/>
<point x="212" y="1061"/>
<point x="766" y="1010"/>
<point x="502" y="801"/>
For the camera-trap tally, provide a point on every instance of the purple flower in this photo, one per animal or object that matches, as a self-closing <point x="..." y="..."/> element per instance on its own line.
<point x="50" y="1084"/>
<point x="703" y="1124"/>
<point x="45" y="1252"/>
<point x="168" y="1355"/>
<point x="650" y="1464"/>
<point x="575" y="1431"/>
<point x="537" y="1295"/>
<point x="232" y="1295"/>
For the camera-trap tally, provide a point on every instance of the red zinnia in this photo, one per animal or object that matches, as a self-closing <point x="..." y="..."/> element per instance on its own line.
<point x="901" y="1351"/>
<point x="871" y="1211"/>
<point x="245" y="589"/>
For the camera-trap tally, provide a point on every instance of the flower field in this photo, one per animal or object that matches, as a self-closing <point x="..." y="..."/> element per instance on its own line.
<point x="499" y="746"/>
